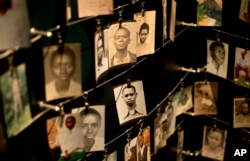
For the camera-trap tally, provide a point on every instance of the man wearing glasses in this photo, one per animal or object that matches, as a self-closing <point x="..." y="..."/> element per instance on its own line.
<point x="129" y="95"/>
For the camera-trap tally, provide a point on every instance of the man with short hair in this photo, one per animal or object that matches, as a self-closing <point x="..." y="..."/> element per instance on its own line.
<point x="91" y="124"/>
<point x="63" y="67"/>
<point x="121" y="42"/>
<point x="143" y="47"/>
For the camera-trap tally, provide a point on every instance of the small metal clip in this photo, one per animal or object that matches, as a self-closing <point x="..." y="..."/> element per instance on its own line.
<point x="120" y="10"/>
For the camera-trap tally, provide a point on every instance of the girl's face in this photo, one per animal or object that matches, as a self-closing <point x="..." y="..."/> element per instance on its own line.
<point x="214" y="139"/>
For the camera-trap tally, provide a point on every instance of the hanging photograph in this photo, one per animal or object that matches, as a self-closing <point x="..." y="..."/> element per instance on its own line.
<point x="111" y="157"/>
<point x="65" y="137"/>
<point x="62" y="71"/>
<point x="209" y="12"/>
<point x="164" y="19"/>
<point x="217" y="58"/>
<point x="138" y="149"/>
<point x="241" y="67"/>
<point x="205" y="98"/>
<point x="122" y="44"/>
<point x="14" y="24"/>
<point x="172" y="20"/>
<point x="164" y="126"/>
<point x="15" y="99"/>
<point x="244" y="13"/>
<point x="101" y="58"/>
<point x="130" y="101"/>
<point x="214" y="143"/>
<point x="179" y="156"/>
<point x="88" y="8"/>
<point x="241" y="112"/>
<point x="93" y="127"/>
<point x="145" y="33"/>
<point x="183" y="100"/>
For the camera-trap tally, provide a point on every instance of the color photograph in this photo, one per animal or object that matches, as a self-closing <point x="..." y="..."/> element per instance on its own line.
<point x="15" y="99"/>
<point x="244" y="13"/>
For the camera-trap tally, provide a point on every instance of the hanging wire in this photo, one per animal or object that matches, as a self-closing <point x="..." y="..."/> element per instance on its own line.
<point x="227" y="33"/>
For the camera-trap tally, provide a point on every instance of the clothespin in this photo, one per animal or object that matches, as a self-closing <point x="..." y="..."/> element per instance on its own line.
<point x="105" y="155"/>
<point x="142" y="7"/>
<point x="98" y="25"/>
<point x="86" y="104"/>
<point x="128" y="137"/>
<point x="218" y="36"/>
<point x="141" y="127"/>
<point x="120" y="10"/>
<point x="10" y="61"/>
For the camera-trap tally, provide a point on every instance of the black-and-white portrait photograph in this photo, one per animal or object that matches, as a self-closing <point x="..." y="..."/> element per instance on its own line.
<point x="122" y="43"/>
<point x="164" y="19"/>
<point x="62" y="71"/>
<point x="145" y="33"/>
<point x="138" y="149"/>
<point x="14" y="24"/>
<point x="111" y="157"/>
<point x="205" y="98"/>
<point x="180" y="143"/>
<point x="244" y="13"/>
<point x="214" y="142"/>
<point x="130" y="101"/>
<point x="65" y="137"/>
<point x="172" y="20"/>
<point x="217" y="58"/>
<point x="241" y="112"/>
<point x="101" y="58"/>
<point x="183" y="100"/>
<point x="242" y="67"/>
<point x="93" y="127"/>
<point x="164" y="126"/>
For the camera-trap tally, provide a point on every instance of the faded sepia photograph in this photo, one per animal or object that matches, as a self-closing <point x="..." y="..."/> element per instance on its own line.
<point x="62" y="71"/>
<point x="241" y="67"/>
<point x="101" y="58"/>
<point x="93" y="127"/>
<point x="172" y="20"/>
<point x="214" y="142"/>
<point x="139" y="147"/>
<point x="15" y="99"/>
<point x="145" y="33"/>
<point x="122" y="43"/>
<point x="209" y="12"/>
<point x="65" y="137"/>
<point x="183" y="100"/>
<point x="130" y="101"/>
<point x="244" y="13"/>
<point x="14" y="24"/>
<point x="164" y="19"/>
<point x="217" y="58"/>
<point x="180" y="143"/>
<point x="241" y="112"/>
<point x="111" y="157"/>
<point x="88" y="8"/>
<point x="205" y="98"/>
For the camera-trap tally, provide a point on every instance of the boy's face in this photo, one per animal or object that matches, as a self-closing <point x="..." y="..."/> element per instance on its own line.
<point x="219" y="55"/>
<point x="143" y="35"/>
<point x="90" y="126"/>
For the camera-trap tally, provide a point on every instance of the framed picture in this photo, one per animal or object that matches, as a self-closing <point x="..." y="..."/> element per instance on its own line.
<point x="209" y="12"/>
<point x="122" y="44"/>
<point x="14" y="24"/>
<point x="244" y="13"/>
<point x="205" y="98"/>
<point x="241" y="112"/>
<point x="172" y="20"/>
<point x="15" y="99"/>
<point x="130" y="102"/>
<point x="62" y="71"/>
<point x="93" y="127"/>
<point x="145" y="33"/>
<point x="241" y="67"/>
<point x="214" y="142"/>
<point x="217" y="58"/>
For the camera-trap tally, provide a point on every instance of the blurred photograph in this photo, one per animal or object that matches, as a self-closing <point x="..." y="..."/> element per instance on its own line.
<point x="209" y="12"/>
<point x="244" y="13"/>
<point x="172" y="20"/>
<point x="205" y="98"/>
<point x="214" y="142"/>
<point x="130" y="104"/>
<point x="62" y="71"/>
<point x="241" y="112"/>
<point x="180" y="143"/>
<point x="145" y="33"/>
<point x="164" y="19"/>
<point x="111" y="157"/>
<point x="15" y="99"/>
<point x="217" y="58"/>
<point x="122" y="44"/>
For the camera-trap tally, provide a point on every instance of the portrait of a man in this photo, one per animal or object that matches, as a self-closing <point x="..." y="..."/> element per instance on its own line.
<point x="131" y="102"/>
<point x="101" y="58"/>
<point x="205" y="98"/>
<point x="217" y="58"/>
<point x="241" y="112"/>
<point x="242" y="67"/>
<point x="92" y="125"/>
<point x="122" y="44"/>
<point x="146" y="33"/>
<point x="62" y="71"/>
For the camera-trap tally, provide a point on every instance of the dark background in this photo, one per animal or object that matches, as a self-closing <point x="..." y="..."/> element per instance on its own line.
<point x="189" y="50"/>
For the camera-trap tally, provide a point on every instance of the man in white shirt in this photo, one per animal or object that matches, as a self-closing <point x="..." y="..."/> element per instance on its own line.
<point x="242" y="64"/>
